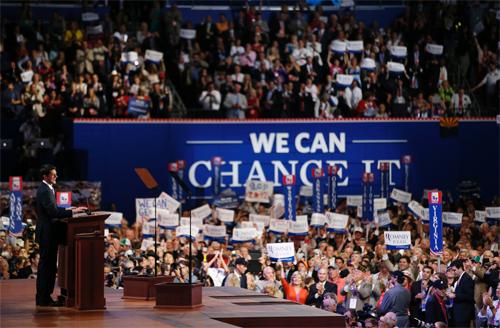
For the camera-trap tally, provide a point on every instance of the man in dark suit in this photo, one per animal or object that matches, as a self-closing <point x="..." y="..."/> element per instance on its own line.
<point x="419" y="292"/>
<point x="435" y="308"/>
<point x="49" y="233"/>
<point x="463" y="297"/>
<point x="322" y="287"/>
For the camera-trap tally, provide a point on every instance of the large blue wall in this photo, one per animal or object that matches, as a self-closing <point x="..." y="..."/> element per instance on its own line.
<point x="113" y="149"/>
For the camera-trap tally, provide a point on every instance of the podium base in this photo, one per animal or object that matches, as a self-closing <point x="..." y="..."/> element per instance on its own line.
<point x="142" y="287"/>
<point x="178" y="296"/>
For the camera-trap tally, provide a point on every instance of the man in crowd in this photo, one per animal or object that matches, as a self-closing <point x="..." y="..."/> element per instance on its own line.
<point x="397" y="300"/>
<point x="318" y="290"/>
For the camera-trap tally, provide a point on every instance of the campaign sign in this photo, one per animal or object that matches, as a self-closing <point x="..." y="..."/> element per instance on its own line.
<point x="138" y="107"/>
<point x="452" y="219"/>
<point x="166" y="202"/>
<point x="354" y="201"/>
<point x="416" y="209"/>
<point x="167" y="220"/>
<point x="383" y="219"/>
<point x="201" y="212"/>
<point x="337" y="222"/>
<point x="298" y="228"/>
<point x="264" y="219"/>
<point x="318" y="220"/>
<point x="148" y="229"/>
<point x="258" y="191"/>
<point x="185" y="232"/>
<point x="213" y="232"/>
<point x="338" y="46"/>
<point x="114" y="219"/>
<point x="243" y="235"/>
<point x="401" y="196"/>
<point x="63" y="199"/>
<point x="355" y="47"/>
<point x="146" y="244"/>
<point x="332" y="187"/>
<point x="397" y="239"/>
<point x="290" y="201"/>
<point x="284" y="252"/>
<point x="493" y="213"/>
<point x="145" y="208"/>
<point x="367" y="197"/>
<point x="317" y="174"/>
<point x="480" y="216"/>
<point x="15" y="183"/>
<point x="153" y="56"/>
<point x="436" y="222"/>
<point x="278" y="226"/>
<point x="225" y="215"/>
<point x="16" y="213"/>
<point x="197" y="222"/>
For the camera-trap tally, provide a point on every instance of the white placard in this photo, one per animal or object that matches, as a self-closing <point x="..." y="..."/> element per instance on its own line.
<point x="368" y="63"/>
<point x="244" y="234"/>
<point x="148" y="228"/>
<point x="27" y="76"/>
<point x="354" y="201"/>
<point x="147" y="243"/>
<point x="492" y="212"/>
<point x="263" y="219"/>
<point x="395" y="67"/>
<point x="399" y="51"/>
<point x="453" y="219"/>
<point x="198" y="222"/>
<point x="259" y="191"/>
<point x="225" y="215"/>
<point x="201" y="212"/>
<point x="318" y="220"/>
<point x="298" y="228"/>
<point x="144" y="208"/>
<point x="425" y="215"/>
<point x="166" y="202"/>
<point x="184" y="231"/>
<point x="129" y="57"/>
<point x="302" y="218"/>
<point x="214" y="232"/>
<point x="154" y="56"/>
<point x="90" y="17"/>
<point x="92" y="30"/>
<point x="416" y="208"/>
<point x="401" y="196"/>
<point x="167" y="220"/>
<point x="480" y="216"/>
<point x="355" y="46"/>
<point x="278" y="226"/>
<point x="279" y="199"/>
<point x="337" y="222"/>
<point x="115" y="219"/>
<point x="338" y="46"/>
<point x="5" y="223"/>
<point x="306" y="191"/>
<point x="284" y="252"/>
<point x="434" y="49"/>
<point x="188" y="33"/>
<point x="379" y="204"/>
<point x="347" y="3"/>
<point x="397" y="239"/>
<point x="383" y="219"/>
<point x="344" y="79"/>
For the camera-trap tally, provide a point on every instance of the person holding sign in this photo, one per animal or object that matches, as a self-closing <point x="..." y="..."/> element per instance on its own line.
<point x="296" y="290"/>
<point x="48" y="234"/>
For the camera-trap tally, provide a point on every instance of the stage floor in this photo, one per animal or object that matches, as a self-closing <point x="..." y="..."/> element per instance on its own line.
<point x="222" y="307"/>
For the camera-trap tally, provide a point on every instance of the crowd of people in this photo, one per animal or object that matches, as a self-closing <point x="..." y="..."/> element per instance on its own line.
<point x="349" y="273"/>
<point x="245" y="66"/>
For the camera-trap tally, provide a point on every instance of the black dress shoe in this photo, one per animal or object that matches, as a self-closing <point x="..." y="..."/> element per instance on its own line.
<point x="49" y="302"/>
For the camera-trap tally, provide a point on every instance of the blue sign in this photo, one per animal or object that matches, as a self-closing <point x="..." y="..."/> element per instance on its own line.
<point x="290" y="197"/>
<point x="16" y="213"/>
<point x="435" y="222"/>
<point x="317" y="174"/>
<point x="265" y="151"/>
<point x="332" y="187"/>
<point x="138" y="107"/>
<point x="367" y="199"/>
<point x="216" y="174"/>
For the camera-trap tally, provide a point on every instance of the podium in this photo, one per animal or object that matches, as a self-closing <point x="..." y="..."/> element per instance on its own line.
<point x="81" y="262"/>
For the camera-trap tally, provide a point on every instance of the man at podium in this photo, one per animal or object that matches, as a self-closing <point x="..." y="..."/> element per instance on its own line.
<point x="48" y="234"/>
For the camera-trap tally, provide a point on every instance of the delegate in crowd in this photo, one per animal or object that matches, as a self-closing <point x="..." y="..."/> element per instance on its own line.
<point x="245" y="66"/>
<point x="349" y="273"/>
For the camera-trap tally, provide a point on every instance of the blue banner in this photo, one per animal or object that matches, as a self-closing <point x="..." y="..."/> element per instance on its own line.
<point x="290" y="200"/>
<point x="435" y="222"/>
<point x="216" y="174"/>
<point x="317" y="174"/>
<point x="367" y="200"/>
<point x="332" y="187"/>
<point x="138" y="107"/>
<point x="16" y="213"/>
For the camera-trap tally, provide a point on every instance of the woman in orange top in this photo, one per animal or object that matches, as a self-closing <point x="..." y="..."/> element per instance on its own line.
<point x="295" y="291"/>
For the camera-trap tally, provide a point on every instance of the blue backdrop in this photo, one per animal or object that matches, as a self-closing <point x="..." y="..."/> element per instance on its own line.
<point x="270" y="149"/>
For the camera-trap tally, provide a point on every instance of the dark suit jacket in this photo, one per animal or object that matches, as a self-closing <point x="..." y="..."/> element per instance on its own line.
<point x="329" y="288"/>
<point x="433" y="311"/>
<point x="47" y="228"/>
<point x="463" y="304"/>
<point x="416" y="304"/>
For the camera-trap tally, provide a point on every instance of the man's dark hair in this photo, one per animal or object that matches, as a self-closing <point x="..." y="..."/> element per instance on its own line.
<point x="430" y="268"/>
<point x="406" y="257"/>
<point x="459" y="264"/>
<point x="45" y="170"/>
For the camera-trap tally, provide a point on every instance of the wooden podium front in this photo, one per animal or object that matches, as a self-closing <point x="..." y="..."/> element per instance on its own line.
<point x="84" y="241"/>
